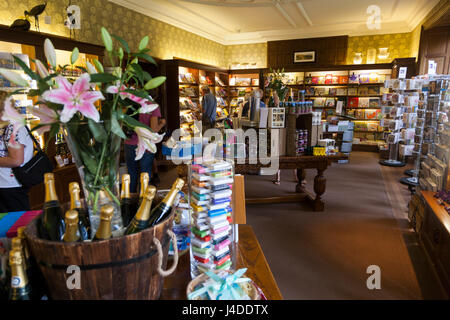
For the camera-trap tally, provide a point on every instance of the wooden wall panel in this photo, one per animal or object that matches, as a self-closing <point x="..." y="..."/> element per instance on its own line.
<point x="435" y="45"/>
<point x="329" y="51"/>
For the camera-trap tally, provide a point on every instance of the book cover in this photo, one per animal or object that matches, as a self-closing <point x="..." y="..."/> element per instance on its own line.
<point x="353" y="102"/>
<point x="363" y="91"/>
<point x="363" y="103"/>
<point x="329" y="102"/>
<point x="373" y="90"/>
<point x="319" y="102"/>
<point x="374" y="103"/>
<point x="352" y="91"/>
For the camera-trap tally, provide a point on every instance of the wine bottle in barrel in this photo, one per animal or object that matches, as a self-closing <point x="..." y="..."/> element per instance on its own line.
<point x="36" y="278"/>
<point x="104" y="229"/>
<point x="84" y="223"/>
<point x="72" y="233"/>
<point x="144" y="184"/>
<point x="52" y="227"/>
<point x="20" y="287"/>
<point x="163" y="209"/>
<point x="126" y="206"/>
<point x="141" y="219"/>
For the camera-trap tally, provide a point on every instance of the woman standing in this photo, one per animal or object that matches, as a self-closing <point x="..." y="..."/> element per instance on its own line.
<point x="152" y="120"/>
<point x="15" y="151"/>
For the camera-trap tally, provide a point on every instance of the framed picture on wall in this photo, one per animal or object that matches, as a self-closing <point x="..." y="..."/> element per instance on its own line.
<point x="304" y="56"/>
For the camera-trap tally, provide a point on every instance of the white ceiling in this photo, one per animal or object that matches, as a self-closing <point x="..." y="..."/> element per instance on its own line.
<point x="253" y="21"/>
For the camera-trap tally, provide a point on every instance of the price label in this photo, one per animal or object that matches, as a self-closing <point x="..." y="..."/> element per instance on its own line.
<point x="402" y="72"/>
<point x="432" y="66"/>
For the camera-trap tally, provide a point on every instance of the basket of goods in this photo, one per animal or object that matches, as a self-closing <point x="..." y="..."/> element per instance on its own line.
<point x="223" y="285"/>
<point x="121" y="264"/>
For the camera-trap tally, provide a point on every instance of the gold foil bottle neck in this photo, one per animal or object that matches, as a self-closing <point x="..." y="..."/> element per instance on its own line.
<point x="16" y="243"/>
<point x="15" y="257"/>
<point x="21" y="232"/>
<point x="179" y="183"/>
<point x="144" y="183"/>
<point x="50" y="192"/>
<point x="71" y="220"/>
<point x="143" y="212"/>
<point x="71" y="216"/>
<point x="125" y="192"/>
<point x="74" y="190"/>
<point x="106" y="212"/>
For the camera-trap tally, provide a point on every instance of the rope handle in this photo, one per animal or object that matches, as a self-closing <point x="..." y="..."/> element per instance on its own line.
<point x="160" y="255"/>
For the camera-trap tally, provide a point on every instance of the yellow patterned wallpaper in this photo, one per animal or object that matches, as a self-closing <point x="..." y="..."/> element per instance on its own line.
<point x="166" y="41"/>
<point x="399" y="45"/>
<point x="253" y="54"/>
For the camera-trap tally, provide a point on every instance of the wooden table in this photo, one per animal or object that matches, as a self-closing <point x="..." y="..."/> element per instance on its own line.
<point x="248" y="255"/>
<point x="301" y="163"/>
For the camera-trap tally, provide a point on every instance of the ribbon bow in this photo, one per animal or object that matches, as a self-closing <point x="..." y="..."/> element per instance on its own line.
<point x="219" y="288"/>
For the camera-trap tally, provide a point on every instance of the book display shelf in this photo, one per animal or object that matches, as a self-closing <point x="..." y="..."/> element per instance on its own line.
<point x="353" y="91"/>
<point x="184" y="84"/>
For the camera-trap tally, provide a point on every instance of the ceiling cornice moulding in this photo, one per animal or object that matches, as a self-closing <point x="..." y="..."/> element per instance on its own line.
<point x="204" y="27"/>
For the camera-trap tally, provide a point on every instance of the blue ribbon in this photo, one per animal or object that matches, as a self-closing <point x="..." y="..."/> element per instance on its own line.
<point x="227" y="288"/>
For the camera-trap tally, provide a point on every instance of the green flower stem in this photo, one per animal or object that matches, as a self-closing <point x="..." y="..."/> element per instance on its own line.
<point x="97" y="194"/>
<point x="112" y="195"/>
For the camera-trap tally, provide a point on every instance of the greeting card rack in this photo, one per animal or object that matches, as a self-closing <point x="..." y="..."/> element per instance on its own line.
<point x="393" y="108"/>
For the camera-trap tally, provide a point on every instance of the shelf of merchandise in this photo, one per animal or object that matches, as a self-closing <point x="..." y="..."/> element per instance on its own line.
<point x="187" y="74"/>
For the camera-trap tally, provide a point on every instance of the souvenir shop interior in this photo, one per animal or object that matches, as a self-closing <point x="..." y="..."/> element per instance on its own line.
<point x="225" y="150"/>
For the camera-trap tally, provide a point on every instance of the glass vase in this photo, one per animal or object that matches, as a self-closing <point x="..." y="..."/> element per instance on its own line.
<point x="96" y="151"/>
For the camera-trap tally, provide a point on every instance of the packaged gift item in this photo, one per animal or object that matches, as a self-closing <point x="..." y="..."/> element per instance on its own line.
<point x="211" y="236"/>
<point x="223" y="285"/>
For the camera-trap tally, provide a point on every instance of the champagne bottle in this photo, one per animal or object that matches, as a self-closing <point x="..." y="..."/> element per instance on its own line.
<point x="126" y="207"/>
<point x="104" y="229"/>
<point x="20" y="287"/>
<point x="141" y="219"/>
<point x="53" y="222"/>
<point x="84" y="223"/>
<point x="72" y="227"/>
<point x="35" y="278"/>
<point x="144" y="184"/>
<point x="163" y="209"/>
<point x="21" y="236"/>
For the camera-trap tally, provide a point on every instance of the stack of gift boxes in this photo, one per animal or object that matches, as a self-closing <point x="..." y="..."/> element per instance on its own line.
<point x="211" y="191"/>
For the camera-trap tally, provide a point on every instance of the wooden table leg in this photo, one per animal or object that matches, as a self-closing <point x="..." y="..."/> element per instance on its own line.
<point x="319" y="189"/>
<point x="301" y="176"/>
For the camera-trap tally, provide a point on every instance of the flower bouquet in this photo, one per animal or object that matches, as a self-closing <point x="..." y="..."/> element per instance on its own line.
<point x="277" y="82"/>
<point x="93" y="112"/>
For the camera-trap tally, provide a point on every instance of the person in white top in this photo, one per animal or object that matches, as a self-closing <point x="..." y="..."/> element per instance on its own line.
<point x="13" y="197"/>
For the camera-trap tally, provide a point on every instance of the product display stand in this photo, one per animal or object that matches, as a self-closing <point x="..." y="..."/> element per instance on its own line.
<point x="413" y="122"/>
<point x="396" y="98"/>
<point x="434" y="147"/>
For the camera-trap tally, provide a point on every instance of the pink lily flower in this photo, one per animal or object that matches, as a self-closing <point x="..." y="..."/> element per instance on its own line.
<point x="146" y="141"/>
<point x="10" y="114"/>
<point x="46" y="115"/>
<point x="75" y="97"/>
<point x="115" y="90"/>
<point x="147" y="106"/>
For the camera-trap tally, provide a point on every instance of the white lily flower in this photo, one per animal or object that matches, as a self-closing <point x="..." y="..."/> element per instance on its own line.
<point x="14" y="77"/>
<point x="50" y="53"/>
<point x="146" y="141"/>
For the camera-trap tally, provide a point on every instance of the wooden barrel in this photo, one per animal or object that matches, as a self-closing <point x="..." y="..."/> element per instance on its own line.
<point x="122" y="268"/>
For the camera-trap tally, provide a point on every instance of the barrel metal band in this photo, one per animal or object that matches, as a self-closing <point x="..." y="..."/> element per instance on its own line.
<point x="107" y="264"/>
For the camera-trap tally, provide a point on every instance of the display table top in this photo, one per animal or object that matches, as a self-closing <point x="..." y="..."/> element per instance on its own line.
<point x="249" y="255"/>
<point x="438" y="210"/>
